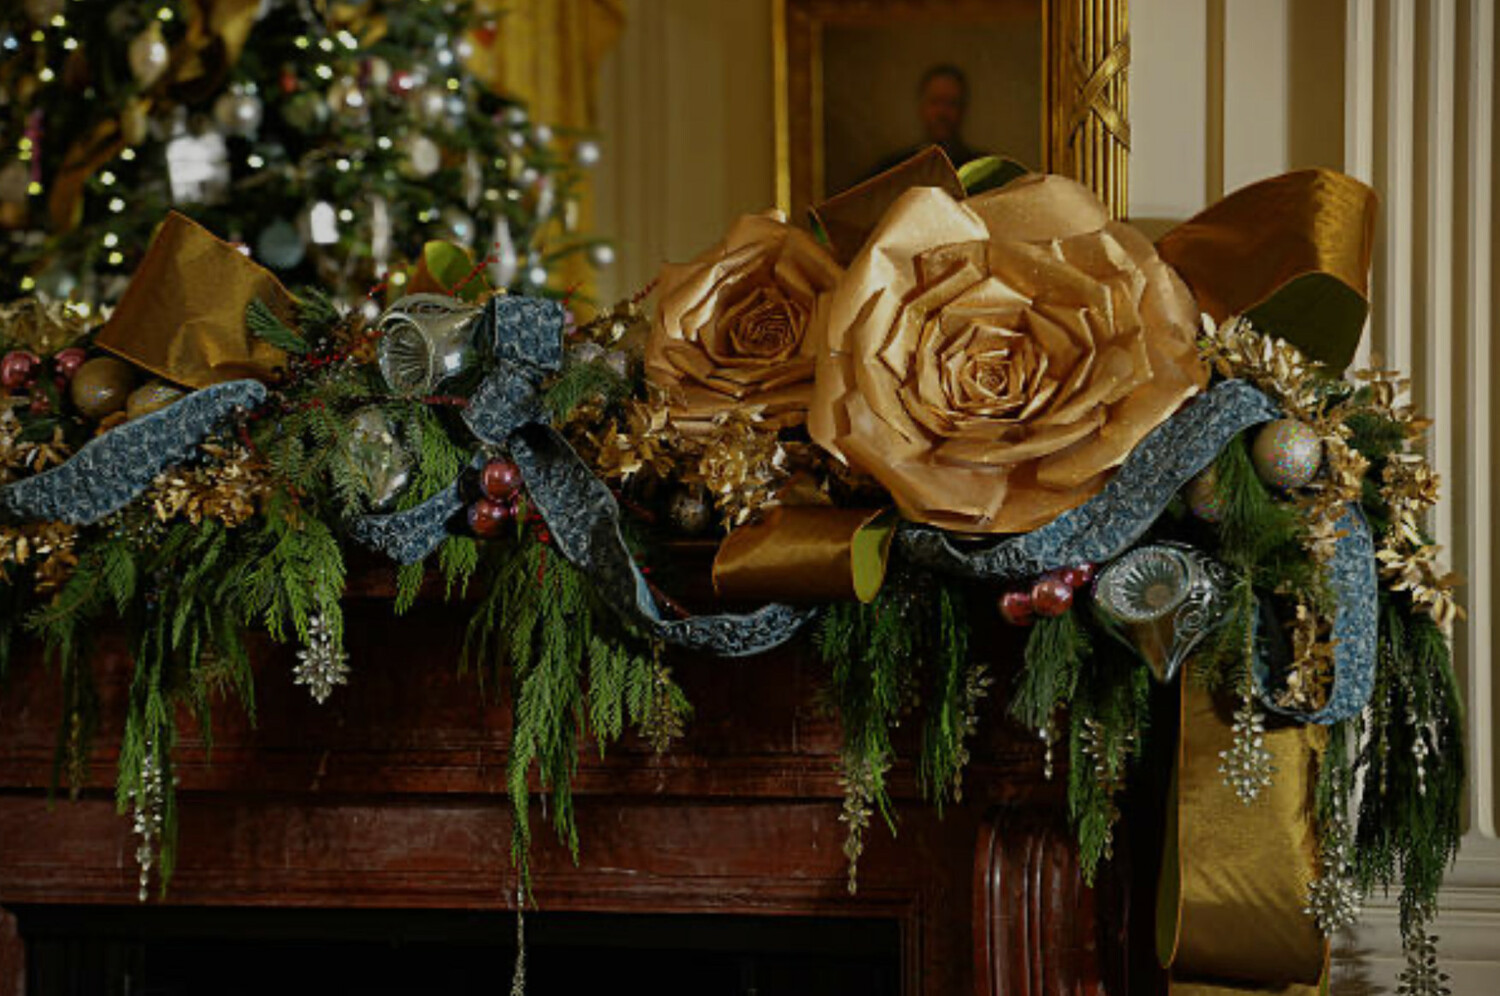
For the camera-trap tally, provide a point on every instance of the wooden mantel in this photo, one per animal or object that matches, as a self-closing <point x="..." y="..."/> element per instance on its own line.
<point x="392" y="796"/>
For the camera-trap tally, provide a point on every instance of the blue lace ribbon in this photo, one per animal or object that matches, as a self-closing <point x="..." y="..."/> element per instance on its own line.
<point x="579" y="510"/>
<point x="111" y="470"/>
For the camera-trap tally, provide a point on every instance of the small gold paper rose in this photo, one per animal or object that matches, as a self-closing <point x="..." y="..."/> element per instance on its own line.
<point x="739" y="325"/>
<point x="990" y="361"/>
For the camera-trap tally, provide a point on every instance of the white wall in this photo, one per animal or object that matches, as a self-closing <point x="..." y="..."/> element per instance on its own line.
<point x="1223" y="92"/>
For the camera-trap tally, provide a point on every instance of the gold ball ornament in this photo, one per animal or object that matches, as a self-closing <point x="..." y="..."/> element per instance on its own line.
<point x="150" y="397"/>
<point x="1287" y="454"/>
<point x="101" y="386"/>
<point x="1203" y="498"/>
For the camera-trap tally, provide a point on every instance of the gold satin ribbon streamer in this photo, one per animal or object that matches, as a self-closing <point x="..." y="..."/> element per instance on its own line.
<point x="1235" y="877"/>
<point x="183" y="315"/>
<point x="216" y="34"/>
<point x="847" y="219"/>
<point x="806" y="553"/>
<point x="1293" y="252"/>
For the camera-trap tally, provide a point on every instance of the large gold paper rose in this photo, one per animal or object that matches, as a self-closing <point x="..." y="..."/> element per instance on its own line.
<point x="739" y="325"/>
<point x="990" y="361"/>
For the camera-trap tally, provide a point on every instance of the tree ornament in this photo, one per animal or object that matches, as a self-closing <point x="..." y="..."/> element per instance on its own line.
<point x="1015" y="608"/>
<point x="1051" y="597"/>
<point x="487" y="518"/>
<point x="375" y="458"/>
<point x="148" y="55"/>
<point x="503" y="262"/>
<point x="319" y="224"/>
<point x="423" y="157"/>
<point x="67" y="361"/>
<point x="307" y="112"/>
<point x="377" y="72"/>
<point x="239" y="111"/>
<point x="18" y="368"/>
<point x="430" y="104"/>
<point x="587" y="153"/>
<point x="690" y="511"/>
<point x="151" y="396"/>
<point x="347" y="99"/>
<point x="198" y="167"/>
<point x="321" y="663"/>
<point x="1287" y="453"/>
<point x="1422" y="975"/>
<point x="1203" y="497"/>
<point x="424" y="340"/>
<point x="280" y="245"/>
<point x="500" y="480"/>
<point x="101" y="386"/>
<point x="1247" y="764"/>
<point x="457" y="226"/>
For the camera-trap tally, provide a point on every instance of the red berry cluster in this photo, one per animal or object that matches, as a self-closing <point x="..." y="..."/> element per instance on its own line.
<point x="1051" y="595"/>
<point x="499" y="501"/>
<point x="20" y="370"/>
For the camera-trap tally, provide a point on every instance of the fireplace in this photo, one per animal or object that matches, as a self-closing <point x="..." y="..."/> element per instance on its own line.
<point x="378" y="822"/>
<point x="171" y="951"/>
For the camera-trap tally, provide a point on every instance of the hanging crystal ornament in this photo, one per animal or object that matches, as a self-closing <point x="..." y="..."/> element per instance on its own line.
<point x="503" y="262"/>
<point x="1247" y="764"/>
<point x="1048" y="735"/>
<point x="424" y="340"/>
<point x="1167" y="597"/>
<point x="376" y="459"/>
<point x="149" y="803"/>
<point x="197" y="167"/>
<point x="321" y="663"/>
<point x="473" y="188"/>
<point x="1333" y="897"/>
<point x="1422" y="975"/>
<point x="380" y="231"/>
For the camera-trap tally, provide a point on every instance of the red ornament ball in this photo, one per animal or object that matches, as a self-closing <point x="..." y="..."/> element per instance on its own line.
<point x="1015" y="608"/>
<point x="67" y="361"/>
<point x="500" y="480"/>
<point x="1078" y="576"/>
<point x="1051" y="596"/>
<point x="17" y="369"/>
<point x="487" y="517"/>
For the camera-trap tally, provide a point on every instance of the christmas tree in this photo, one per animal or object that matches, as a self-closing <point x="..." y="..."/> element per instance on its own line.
<point x="332" y="140"/>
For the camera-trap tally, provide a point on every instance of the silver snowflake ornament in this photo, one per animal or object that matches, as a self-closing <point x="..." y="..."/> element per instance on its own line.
<point x="1246" y="764"/>
<point x="322" y="663"/>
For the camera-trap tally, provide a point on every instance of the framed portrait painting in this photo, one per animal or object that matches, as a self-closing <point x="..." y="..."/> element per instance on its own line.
<point x="863" y="84"/>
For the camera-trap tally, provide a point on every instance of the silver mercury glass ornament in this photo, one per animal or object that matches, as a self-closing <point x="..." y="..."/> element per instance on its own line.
<point x="1167" y="598"/>
<point x="424" y="340"/>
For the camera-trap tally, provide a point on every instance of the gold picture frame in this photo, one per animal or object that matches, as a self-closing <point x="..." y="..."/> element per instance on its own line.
<point x="1084" y="60"/>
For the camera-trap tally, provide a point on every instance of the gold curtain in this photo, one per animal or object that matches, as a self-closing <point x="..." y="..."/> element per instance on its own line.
<point x="546" y="53"/>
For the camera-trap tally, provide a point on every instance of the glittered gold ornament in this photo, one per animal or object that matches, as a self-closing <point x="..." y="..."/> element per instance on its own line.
<point x="1203" y="498"/>
<point x="148" y="55"/>
<point x="151" y="397"/>
<point x="101" y="386"/>
<point x="1287" y="454"/>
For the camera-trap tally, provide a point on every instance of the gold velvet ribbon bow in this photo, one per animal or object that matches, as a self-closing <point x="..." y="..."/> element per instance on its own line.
<point x="1234" y="876"/>
<point x="183" y="315"/>
<point x="215" y="35"/>
<point x="806" y="554"/>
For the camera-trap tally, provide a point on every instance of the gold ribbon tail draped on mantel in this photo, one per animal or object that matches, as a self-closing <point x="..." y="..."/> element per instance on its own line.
<point x="1292" y="253"/>
<point x="183" y="315"/>
<point x="1234" y="876"/>
<point x="806" y="554"/>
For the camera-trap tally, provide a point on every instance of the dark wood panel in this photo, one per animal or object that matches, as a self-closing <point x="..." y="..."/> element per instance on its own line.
<point x="392" y="796"/>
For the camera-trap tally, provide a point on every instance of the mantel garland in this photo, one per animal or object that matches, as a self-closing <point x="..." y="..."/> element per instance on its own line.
<point x="1178" y="505"/>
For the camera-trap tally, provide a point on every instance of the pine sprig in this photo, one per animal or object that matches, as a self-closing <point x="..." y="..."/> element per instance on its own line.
<point x="264" y="324"/>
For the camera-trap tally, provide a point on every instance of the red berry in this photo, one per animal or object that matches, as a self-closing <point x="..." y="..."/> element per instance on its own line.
<point x="17" y="369"/>
<point x="500" y="480"/>
<point x="1051" y="596"/>
<point x="487" y="517"/>
<point x="67" y="361"/>
<point x="1078" y="576"/>
<point x="1015" y="608"/>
